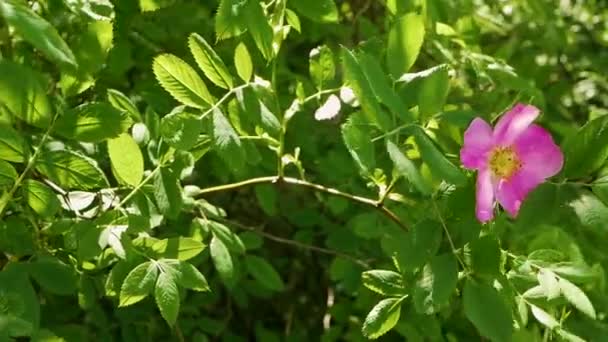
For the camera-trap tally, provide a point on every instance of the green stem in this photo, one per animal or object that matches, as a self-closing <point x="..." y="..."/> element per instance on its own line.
<point x="393" y="132"/>
<point x="224" y="98"/>
<point x="138" y="187"/>
<point x="8" y="196"/>
<point x="449" y="236"/>
<point x="305" y="184"/>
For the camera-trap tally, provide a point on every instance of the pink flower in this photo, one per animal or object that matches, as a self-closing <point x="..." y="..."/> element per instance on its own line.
<point x="511" y="160"/>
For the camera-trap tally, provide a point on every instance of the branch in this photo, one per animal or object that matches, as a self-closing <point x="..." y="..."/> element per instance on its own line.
<point x="297" y="182"/>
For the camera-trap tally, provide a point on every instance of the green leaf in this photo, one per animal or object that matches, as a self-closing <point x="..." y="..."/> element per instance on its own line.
<point x="209" y="61"/>
<point x="543" y="317"/>
<point x="354" y="76"/>
<point x="384" y="282"/>
<point x="293" y="20"/>
<point x="591" y="212"/>
<point x="229" y="19"/>
<point x="259" y="28"/>
<point x="12" y="146"/>
<point x="381" y="86"/>
<point x="71" y="170"/>
<point x="324" y="11"/>
<point x="321" y="66"/>
<point x="179" y="248"/>
<point x="53" y="275"/>
<point x="437" y="162"/>
<point x="548" y="282"/>
<point x="167" y="192"/>
<point x="8" y="174"/>
<point x="421" y="244"/>
<point x="40" y="198"/>
<point x="192" y="278"/>
<point x="406" y="168"/>
<point x="543" y="199"/>
<point x="127" y="160"/>
<point x="577" y="297"/>
<point x="227" y="142"/>
<point x="433" y="93"/>
<point x="569" y="337"/>
<point x="138" y="284"/>
<point x="16" y="237"/>
<point x="18" y="298"/>
<point x="357" y="139"/>
<point x="122" y="102"/>
<point x="222" y="261"/>
<point x="264" y="273"/>
<point x="587" y="150"/>
<point x="229" y="238"/>
<point x="23" y="94"/>
<point x="404" y="42"/>
<point x="181" y="129"/>
<point x="382" y="318"/>
<point x="487" y="310"/>
<point x="167" y="297"/>
<point x="37" y="31"/>
<point x="436" y="284"/>
<point x="485" y="256"/>
<point x="242" y="62"/>
<point x="181" y="81"/>
<point x="153" y="5"/>
<point x="92" y="122"/>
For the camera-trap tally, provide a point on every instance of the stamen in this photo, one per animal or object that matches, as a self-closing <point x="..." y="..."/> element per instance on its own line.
<point x="504" y="162"/>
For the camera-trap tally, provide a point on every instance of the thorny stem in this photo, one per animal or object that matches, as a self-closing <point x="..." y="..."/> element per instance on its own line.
<point x="449" y="236"/>
<point x="297" y="243"/>
<point x="6" y="198"/>
<point x="297" y="182"/>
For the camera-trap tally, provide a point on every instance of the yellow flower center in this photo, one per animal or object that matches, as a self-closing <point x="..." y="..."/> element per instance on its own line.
<point x="504" y="162"/>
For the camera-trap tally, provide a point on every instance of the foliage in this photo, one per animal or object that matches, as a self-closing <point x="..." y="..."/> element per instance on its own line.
<point x="288" y="170"/>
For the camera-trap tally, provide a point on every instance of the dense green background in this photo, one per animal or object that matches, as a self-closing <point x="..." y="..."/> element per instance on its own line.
<point x="203" y="96"/>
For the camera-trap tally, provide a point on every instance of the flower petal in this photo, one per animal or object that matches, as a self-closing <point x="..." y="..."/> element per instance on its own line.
<point x="511" y="192"/>
<point x="484" y="208"/>
<point x="514" y="123"/>
<point x="477" y="143"/>
<point x="539" y="155"/>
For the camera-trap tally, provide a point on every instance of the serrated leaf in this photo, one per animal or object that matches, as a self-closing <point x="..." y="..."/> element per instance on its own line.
<point x="406" y="168"/>
<point x="587" y="150"/>
<point x="354" y="76"/>
<point x="548" y="281"/>
<point x="264" y="273"/>
<point x="122" y="102"/>
<point x="485" y="256"/>
<point x="321" y="66"/>
<point x="12" y="146"/>
<point x="181" y="129"/>
<point x="8" y="174"/>
<point x="229" y="19"/>
<point x="228" y="237"/>
<point x="138" y="284"/>
<point x="568" y="336"/>
<point x="433" y="93"/>
<point x="127" y="160"/>
<point x="167" y="297"/>
<point x="384" y="282"/>
<point x="40" y="198"/>
<point x="487" y="310"/>
<point x="209" y="61"/>
<point x="577" y="297"/>
<point x="37" y="31"/>
<point x="192" y="278"/>
<point x="382" y="318"/>
<point x="71" y="170"/>
<point x="178" y="248"/>
<point x="437" y="162"/>
<point x="227" y="142"/>
<point x="181" y="81"/>
<point x="543" y="317"/>
<point x="324" y="11"/>
<point x="404" y="42"/>
<point x="242" y="62"/>
<point x="436" y="284"/>
<point x="53" y="275"/>
<point x="222" y="260"/>
<point x="357" y="140"/>
<point x="259" y="28"/>
<point x="92" y="122"/>
<point x="167" y="192"/>
<point x="23" y="95"/>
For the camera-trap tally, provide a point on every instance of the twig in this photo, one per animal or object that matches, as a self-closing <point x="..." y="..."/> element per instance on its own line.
<point x="293" y="181"/>
<point x="447" y="233"/>
<point x="297" y="243"/>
